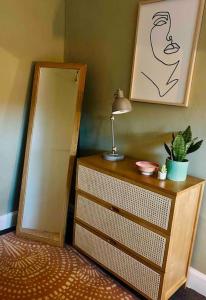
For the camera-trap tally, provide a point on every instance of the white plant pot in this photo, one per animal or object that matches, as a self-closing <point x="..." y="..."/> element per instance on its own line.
<point x="162" y="176"/>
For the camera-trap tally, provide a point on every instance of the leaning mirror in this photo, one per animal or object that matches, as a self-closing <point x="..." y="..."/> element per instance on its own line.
<point x="50" y="151"/>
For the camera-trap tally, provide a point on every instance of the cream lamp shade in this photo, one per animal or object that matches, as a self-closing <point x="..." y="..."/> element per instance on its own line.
<point x="121" y="104"/>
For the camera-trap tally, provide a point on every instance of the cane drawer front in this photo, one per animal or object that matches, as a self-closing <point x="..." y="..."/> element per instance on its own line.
<point x="145" y="204"/>
<point x="129" y="269"/>
<point x="141" y="240"/>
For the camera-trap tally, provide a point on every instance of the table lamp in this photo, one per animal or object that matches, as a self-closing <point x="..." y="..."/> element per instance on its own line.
<point x="121" y="105"/>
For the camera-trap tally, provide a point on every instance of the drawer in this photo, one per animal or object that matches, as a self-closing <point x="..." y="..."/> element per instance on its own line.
<point x="138" y="275"/>
<point x="147" y="205"/>
<point x="141" y="240"/>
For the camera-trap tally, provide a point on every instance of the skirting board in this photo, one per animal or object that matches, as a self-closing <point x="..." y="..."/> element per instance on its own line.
<point x="197" y="281"/>
<point x="8" y="220"/>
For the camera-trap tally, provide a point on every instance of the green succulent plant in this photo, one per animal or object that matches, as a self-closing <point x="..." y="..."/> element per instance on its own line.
<point x="163" y="169"/>
<point x="182" y="144"/>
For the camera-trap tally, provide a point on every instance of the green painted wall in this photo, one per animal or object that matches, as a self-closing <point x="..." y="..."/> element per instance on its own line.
<point x="29" y="31"/>
<point x="101" y="34"/>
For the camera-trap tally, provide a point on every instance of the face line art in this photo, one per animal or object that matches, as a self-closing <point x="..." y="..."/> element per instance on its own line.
<point x="161" y="19"/>
<point x="161" y="14"/>
<point x="174" y="81"/>
<point x="168" y="37"/>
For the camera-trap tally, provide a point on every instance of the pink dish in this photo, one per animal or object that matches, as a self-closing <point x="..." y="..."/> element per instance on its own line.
<point x="147" y="167"/>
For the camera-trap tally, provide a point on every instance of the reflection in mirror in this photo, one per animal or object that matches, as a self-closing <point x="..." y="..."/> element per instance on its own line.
<point x="51" y="148"/>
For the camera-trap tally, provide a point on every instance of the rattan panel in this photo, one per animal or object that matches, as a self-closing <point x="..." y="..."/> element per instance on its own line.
<point x="145" y="204"/>
<point x="140" y="276"/>
<point x="138" y="238"/>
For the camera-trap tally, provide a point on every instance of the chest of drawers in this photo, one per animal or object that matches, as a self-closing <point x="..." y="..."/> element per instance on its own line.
<point x="140" y="229"/>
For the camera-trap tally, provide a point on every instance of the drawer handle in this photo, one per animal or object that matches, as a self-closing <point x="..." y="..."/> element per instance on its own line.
<point x="114" y="209"/>
<point x="112" y="242"/>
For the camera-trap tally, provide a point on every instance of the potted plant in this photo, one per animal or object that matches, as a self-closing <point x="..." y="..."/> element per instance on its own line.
<point x="162" y="173"/>
<point x="182" y="144"/>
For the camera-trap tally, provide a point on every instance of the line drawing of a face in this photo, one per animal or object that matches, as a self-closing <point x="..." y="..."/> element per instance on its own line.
<point x="164" y="48"/>
<point x="165" y="52"/>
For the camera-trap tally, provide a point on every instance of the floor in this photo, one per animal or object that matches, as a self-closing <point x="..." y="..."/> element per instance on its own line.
<point x="35" y="271"/>
<point x="187" y="294"/>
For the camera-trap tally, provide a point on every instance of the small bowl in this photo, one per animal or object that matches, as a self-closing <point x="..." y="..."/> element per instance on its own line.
<point x="146" y="167"/>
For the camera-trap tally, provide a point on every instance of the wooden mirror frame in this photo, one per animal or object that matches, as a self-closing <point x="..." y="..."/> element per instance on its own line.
<point x="32" y="233"/>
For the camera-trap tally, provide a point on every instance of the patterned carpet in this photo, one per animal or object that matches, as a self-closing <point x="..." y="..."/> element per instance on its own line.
<point x="35" y="271"/>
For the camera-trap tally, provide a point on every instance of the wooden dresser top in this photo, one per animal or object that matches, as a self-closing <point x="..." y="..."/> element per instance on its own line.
<point x="127" y="169"/>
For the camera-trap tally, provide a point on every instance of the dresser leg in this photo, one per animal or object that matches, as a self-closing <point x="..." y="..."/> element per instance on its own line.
<point x="163" y="297"/>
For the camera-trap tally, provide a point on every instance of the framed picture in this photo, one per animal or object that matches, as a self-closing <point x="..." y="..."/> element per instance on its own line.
<point x="165" y="49"/>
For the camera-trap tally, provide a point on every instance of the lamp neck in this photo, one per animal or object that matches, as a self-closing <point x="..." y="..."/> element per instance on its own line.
<point x="119" y="94"/>
<point x="114" y="148"/>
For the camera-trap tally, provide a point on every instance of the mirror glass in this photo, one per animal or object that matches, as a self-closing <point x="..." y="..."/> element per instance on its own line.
<point x="52" y="140"/>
